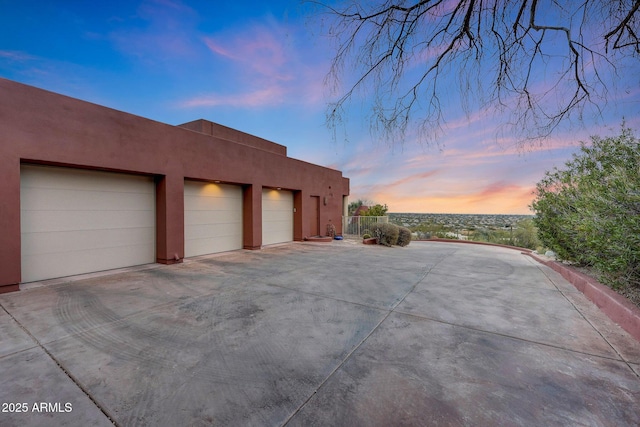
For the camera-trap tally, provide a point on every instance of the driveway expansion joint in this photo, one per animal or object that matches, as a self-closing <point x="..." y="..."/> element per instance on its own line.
<point x="513" y="337"/>
<point x="356" y="347"/>
<point x="620" y="356"/>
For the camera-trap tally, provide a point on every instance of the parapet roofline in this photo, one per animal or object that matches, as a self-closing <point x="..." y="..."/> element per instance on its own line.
<point x="223" y="132"/>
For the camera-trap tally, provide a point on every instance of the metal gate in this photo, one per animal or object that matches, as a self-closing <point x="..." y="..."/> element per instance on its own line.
<point x="356" y="226"/>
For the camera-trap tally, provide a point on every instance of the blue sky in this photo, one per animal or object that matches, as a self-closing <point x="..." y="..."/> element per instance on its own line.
<point x="259" y="67"/>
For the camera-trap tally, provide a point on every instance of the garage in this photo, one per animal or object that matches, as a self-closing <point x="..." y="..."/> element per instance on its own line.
<point x="212" y="218"/>
<point x="75" y="221"/>
<point x="277" y="216"/>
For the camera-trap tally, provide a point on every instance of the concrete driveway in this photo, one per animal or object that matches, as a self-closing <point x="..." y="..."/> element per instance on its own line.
<point x="318" y="334"/>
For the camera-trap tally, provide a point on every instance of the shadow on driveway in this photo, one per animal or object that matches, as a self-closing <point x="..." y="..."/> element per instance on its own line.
<point x="318" y="334"/>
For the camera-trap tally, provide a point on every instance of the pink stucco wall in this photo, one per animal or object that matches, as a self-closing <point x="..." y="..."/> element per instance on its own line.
<point x="37" y="126"/>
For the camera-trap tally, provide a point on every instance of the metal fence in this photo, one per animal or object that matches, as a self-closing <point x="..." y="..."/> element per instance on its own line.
<point x="356" y="226"/>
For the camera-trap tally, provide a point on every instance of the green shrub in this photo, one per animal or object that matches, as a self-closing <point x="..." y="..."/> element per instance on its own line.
<point x="404" y="236"/>
<point x="589" y="212"/>
<point x="366" y="236"/>
<point x="376" y="210"/>
<point x="386" y="233"/>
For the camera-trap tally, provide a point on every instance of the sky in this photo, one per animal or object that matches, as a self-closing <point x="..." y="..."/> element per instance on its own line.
<point x="260" y="67"/>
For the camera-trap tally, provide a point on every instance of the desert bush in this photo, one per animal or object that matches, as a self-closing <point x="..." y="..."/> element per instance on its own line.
<point x="404" y="236"/>
<point x="386" y="233"/>
<point x="524" y="234"/>
<point x="589" y="212"/>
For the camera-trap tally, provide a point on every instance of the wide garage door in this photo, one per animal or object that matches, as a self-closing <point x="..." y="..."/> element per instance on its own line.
<point x="277" y="216"/>
<point x="77" y="221"/>
<point x="212" y="218"/>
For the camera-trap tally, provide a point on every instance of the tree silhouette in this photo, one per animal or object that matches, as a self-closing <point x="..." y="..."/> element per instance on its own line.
<point x="540" y="61"/>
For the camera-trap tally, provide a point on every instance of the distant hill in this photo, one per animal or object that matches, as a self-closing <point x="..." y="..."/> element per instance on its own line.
<point x="457" y="220"/>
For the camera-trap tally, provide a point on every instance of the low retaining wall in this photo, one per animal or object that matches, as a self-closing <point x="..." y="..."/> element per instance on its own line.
<point x="473" y="242"/>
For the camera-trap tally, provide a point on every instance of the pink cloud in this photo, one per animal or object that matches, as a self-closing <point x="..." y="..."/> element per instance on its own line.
<point x="260" y="50"/>
<point x="411" y="179"/>
<point x="264" y="60"/>
<point x="269" y="96"/>
<point x="218" y="49"/>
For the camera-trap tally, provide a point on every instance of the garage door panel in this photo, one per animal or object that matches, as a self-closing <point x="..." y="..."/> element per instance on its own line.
<point x="221" y="204"/>
<point x="279" y="225"/>
<point x="86" y="240"/>
<point x="206" y="231"/>
<point x="273" y="208"/>
<point x="55" y="265"/>
<point x="223" y="217"/>
<point x="78" y="221"/>
<point x="205" y="190"/>
<point x="209" y="246"/>
<point x="55" y="221"/>
<point x="73" y="200"/>
<point x="82" y="180"/>
<point x="274" y="235"/>
<point x="213" y="218"/>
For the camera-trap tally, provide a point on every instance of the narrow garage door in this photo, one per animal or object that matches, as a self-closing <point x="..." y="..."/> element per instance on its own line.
<point x="277" y="216"/>
<point x="212" y="218"/>
<point x="77" y="221"/>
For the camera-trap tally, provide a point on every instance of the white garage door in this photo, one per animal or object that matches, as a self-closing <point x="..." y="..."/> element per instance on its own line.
<point x="77" y="221"/>
<point x="277" y="216"/>
<point x="212" y="218"/>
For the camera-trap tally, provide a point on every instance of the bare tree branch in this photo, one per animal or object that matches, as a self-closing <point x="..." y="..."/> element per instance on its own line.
<point x="392" y="55"/>
<point x="625" y="25"/>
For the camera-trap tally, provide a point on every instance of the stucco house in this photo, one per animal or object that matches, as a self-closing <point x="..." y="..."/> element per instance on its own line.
<point x="86" y="188"/>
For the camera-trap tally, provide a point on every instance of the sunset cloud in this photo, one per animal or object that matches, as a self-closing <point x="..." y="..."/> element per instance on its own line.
<point x="495" y="198"/>
<point x="468" y="176"/>
<point x="410" y="179"/>
<point x="260" y="49"/>
<point x="265" y="67"/>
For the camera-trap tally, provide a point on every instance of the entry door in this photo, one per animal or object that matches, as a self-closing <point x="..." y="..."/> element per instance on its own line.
<point x="314" y="216"/>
